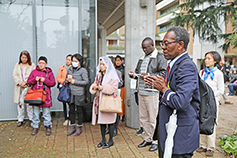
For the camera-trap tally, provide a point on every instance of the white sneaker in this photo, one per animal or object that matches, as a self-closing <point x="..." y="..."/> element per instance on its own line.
<point x="65" y="123"/>
<point x="69" y="122"/>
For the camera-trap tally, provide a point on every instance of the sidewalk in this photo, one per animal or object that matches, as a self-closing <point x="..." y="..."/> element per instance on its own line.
<point x="17" y="141"/>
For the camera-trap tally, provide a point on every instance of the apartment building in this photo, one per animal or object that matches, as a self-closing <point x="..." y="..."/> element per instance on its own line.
<point x="196" y="48"/>
<point x="115" y="43"/>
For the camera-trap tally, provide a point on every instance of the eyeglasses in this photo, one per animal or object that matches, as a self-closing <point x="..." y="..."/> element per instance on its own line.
<point x="146" y="47"/>
<point x="164" y="44"/>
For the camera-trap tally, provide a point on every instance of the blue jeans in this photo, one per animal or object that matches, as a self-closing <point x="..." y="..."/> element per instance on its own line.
<point x="46" y="115"/>
<point x="231" y="87"/>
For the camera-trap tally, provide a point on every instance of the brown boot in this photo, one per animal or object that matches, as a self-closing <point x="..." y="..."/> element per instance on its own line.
<point x="79" y="130"/>
<point x="34" y="131"/>
<point x="209" y="153"/>
<point x="48" y="131"/>
<point x="72" y="130"/>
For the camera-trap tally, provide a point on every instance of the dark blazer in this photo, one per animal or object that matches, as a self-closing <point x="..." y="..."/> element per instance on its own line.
<point x="184" y="88"/>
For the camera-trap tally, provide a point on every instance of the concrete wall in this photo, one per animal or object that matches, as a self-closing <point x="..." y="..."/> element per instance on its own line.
<point x="139" y="24"/>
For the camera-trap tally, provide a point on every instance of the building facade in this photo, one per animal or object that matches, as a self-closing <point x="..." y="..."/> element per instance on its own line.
<point x="196" y="48"/>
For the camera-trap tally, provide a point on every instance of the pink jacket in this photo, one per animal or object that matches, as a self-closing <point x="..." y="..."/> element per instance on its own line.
<point x="105" y="117"/>
<point x="49" y="82"/>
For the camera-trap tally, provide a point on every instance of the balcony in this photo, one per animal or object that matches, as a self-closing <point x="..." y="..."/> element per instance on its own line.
<point x="166" y="18"/>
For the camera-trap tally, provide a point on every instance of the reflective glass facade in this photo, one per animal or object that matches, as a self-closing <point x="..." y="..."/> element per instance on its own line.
<point x="53" y="28"/>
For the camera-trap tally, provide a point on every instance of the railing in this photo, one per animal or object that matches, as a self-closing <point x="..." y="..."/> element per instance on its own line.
<point x="115" y="47"/>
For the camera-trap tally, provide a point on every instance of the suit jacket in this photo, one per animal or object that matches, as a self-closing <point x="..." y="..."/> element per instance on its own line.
<point x="184" y="88"/>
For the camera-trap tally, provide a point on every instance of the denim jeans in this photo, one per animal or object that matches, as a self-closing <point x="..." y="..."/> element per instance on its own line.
<point x="231" y="87"/>
<point x="36" y="119"/>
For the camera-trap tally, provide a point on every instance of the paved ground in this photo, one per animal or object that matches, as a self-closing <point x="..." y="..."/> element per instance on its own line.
<point x="17" y="141"/>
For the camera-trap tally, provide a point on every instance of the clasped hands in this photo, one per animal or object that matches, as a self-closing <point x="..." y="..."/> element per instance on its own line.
<point x="71" y="80"/>
<point x="42" y="79"/>
<point x="157" y="82"/>
<point x="100" y="88"/>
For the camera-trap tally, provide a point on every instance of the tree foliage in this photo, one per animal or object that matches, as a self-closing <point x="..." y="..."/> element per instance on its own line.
<point x="206" y="22"/>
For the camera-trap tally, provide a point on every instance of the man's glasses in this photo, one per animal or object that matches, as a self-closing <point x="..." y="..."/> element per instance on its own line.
<point x="164" y="44"/>
<point x="146" y="47"/>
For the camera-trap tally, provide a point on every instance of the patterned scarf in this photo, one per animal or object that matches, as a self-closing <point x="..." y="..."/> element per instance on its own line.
<point x="98" y="81"/>
<point x="209" y="71"/>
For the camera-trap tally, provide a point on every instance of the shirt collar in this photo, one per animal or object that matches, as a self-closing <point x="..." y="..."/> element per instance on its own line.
<point x="171" y="63"/>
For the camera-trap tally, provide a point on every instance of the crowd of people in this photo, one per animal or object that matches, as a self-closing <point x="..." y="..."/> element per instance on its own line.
<point x="163" y="90"/>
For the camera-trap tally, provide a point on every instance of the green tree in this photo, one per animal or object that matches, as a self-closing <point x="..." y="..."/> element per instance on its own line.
<point x="206" y="22"/>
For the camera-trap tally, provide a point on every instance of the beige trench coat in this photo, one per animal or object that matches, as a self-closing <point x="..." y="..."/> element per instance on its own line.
<point x="17" y="77"/>
<point x="105" y="117"/>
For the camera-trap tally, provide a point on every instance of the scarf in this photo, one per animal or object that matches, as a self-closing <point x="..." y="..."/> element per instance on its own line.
<point x="98" y="81"/>
<point x="209" y="72"/>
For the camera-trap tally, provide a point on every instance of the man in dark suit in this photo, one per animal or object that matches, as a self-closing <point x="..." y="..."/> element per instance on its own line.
<point x="179" y="90"/>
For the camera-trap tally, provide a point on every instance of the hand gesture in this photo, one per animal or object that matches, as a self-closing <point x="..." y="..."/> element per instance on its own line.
<point x="157" y="82"/>
<point x="69" y="80"/>
<point x="131" y="74"/>
<point x="73" y="81"/>
<point x="143" y="75"/>
<point x="100" y="88"/>
<point x="95" y="87"/>
<point x="23" y="84"/>
<point x="42" y="79"/>
<point x="37" y="78"/>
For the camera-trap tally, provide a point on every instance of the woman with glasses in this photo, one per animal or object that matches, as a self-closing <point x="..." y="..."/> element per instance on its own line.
<point x="20" y="75"/>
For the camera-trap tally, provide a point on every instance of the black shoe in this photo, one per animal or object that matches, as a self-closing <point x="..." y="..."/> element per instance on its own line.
<point x="100" y="144"/>
<point x="115" y="133"/>
<point x="144" y="143"/>
<point x="107" y="145"/>
<point x="123" y="118"/>
<point x="107" y="131"/>
<point x="19" y="124"/>
<point x="153" y="147"/>
<point x="140" y="132"/>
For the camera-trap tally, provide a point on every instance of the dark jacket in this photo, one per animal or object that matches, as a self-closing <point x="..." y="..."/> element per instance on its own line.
<point x="156" y="66"/>
<point x="184" y="88"/>
<point x="234" y="78"/>
<point x="223" y="69"/>
<point x="121" y="69"/>
<point x="120" y="79"/>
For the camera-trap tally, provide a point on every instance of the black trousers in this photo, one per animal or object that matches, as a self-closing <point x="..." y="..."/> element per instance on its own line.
<point x="72" y="114"/>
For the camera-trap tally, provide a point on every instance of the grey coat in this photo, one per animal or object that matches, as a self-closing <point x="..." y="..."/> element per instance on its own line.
<point x="80" y="75"/>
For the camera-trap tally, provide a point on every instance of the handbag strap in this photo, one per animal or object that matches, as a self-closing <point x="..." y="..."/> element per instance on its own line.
<point x="45" y="78"/>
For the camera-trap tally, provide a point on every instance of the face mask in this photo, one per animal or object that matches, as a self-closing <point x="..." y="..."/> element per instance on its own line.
<point x="75" y="64"/>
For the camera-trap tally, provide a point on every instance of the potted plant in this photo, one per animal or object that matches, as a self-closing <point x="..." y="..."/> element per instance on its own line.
<point x="229" y="144"/>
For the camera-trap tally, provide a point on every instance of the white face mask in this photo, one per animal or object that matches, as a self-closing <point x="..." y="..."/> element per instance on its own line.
<point x="75" y="64"/>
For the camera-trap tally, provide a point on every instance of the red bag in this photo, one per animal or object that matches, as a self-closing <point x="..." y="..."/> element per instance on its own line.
<point x="35" y="97"/>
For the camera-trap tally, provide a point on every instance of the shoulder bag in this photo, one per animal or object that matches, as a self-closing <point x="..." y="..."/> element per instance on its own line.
<point x="111" y="104"/>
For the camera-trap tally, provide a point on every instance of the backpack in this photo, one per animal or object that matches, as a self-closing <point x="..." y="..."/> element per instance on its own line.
<point x="208" y="109"/>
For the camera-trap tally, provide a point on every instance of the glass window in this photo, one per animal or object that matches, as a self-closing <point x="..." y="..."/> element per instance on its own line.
<point x="168" y="10"/>
<point x="50" y="28"/>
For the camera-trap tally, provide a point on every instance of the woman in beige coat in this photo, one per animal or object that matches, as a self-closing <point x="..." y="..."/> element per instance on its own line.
<point x="20" y="75"/>
<point x="106" y="83"/>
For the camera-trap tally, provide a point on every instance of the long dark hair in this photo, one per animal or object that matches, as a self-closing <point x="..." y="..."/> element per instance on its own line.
<point x="27" y="54"/>
<point x="216" y="56"/>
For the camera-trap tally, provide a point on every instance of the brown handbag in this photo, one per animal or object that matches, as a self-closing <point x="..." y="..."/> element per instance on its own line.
<point x="111" y="104"/>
